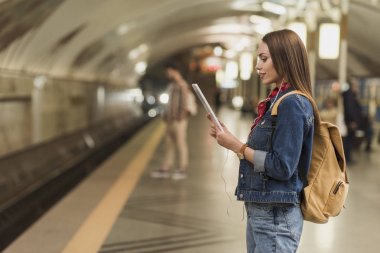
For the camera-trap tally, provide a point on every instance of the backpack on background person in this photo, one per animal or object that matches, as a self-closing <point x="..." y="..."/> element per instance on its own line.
<point x="327" y="181"/>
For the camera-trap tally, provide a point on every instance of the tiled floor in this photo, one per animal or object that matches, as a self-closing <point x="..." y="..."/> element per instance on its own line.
<point x="199" y="214"/>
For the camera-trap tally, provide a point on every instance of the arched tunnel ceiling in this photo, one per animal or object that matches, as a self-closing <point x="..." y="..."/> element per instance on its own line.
<point x="92" y="39"/>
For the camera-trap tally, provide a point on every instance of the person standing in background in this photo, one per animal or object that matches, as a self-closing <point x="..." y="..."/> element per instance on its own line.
<point x="175" y="116"/>
<point x="353" y="117"/>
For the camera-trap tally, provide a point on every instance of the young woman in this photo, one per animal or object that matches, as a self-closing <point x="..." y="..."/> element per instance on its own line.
<point x="274" y="165"/>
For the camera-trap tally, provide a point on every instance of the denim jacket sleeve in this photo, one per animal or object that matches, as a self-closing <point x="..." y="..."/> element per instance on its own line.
<point x="294" y="120"/>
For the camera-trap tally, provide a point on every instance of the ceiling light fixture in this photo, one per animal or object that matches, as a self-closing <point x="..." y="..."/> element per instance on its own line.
<point x="274" y="8"/>
<point x="329" y="40"/>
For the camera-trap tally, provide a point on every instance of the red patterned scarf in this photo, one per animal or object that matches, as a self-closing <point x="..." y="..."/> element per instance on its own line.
<point x="264" y="105"/>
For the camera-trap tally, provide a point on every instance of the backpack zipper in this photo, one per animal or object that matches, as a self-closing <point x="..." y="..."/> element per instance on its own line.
<point x="337" y="187"/>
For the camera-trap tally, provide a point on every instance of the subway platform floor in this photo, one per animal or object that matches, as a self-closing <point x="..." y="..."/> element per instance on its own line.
<point x="120" y="208"/>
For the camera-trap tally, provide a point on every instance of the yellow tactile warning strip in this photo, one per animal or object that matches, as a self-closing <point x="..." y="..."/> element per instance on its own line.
<point x="92" y="233"/>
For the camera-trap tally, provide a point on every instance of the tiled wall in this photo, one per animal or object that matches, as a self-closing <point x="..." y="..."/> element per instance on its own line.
<point x="31" y="113"/>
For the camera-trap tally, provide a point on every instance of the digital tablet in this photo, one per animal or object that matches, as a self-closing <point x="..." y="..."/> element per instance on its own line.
<point x="207" y="106"/>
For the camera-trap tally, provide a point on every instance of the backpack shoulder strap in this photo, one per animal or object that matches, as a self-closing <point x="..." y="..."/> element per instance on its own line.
<point x="277" y="103"/>
<point x="274" y="112"/>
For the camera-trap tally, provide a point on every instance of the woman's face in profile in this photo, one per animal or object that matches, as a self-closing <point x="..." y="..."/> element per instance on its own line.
<point x="265" y="68"/>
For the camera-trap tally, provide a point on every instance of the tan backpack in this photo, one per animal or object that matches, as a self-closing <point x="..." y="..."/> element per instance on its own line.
<point x="327" y="188"/>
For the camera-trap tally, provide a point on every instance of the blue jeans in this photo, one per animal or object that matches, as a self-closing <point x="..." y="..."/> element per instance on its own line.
<point x="273" y="227"/>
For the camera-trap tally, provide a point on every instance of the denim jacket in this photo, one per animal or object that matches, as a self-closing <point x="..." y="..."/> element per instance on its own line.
<point x="278" y="173"/>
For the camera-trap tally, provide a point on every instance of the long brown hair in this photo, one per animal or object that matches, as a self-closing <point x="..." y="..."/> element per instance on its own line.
<point x="290" y="61"/>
